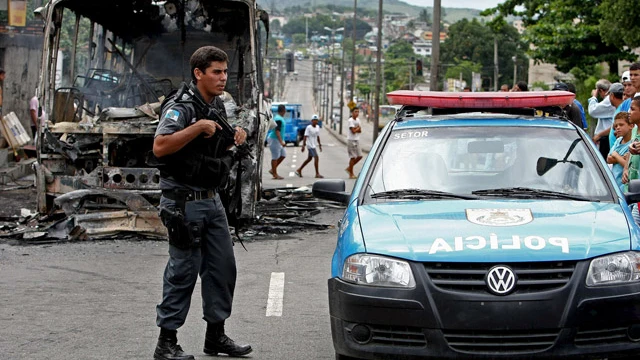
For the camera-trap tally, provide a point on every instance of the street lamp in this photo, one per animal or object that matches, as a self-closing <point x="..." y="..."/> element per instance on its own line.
<point x="515" y="69"/>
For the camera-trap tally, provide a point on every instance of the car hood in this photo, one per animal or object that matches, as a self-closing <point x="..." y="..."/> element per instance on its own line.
<point x="488" y="231"/>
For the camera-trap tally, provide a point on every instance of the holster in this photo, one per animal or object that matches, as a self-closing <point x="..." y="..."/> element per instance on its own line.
<point x="182" y="234"/>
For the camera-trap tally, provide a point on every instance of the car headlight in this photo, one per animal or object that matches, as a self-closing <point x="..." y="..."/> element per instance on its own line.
<point x="614" y="269"/>
<point x="376" y="270"/>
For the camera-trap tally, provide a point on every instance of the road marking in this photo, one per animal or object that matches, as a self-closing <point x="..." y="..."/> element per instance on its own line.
<point x="292" y="174"/>
<point x="276" y="294"/>
<point x="293" y="166"/>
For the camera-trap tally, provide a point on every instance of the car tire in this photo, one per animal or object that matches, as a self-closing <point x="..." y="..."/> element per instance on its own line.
<point x="298" y="139"/>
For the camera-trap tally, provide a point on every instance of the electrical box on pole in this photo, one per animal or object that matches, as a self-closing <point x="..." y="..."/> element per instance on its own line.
<point x="419" y="67"/>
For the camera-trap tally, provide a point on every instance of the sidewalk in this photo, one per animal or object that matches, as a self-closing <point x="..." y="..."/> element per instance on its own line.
<point x="366" y="136"/>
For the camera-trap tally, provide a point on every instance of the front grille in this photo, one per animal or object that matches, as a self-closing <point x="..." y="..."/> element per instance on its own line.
<point x="500" y="342"/>
<point x="599" y="337"/>
<point x="397" y="336"/>
<point x="469" y="277"/>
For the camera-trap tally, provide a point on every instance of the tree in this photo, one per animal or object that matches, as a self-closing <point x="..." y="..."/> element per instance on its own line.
<point x="474" y="42"/>
<point x="424" y="16"/>
<point x="400" y="50"/>
<point x="619" y="24"/>
<point x="466" y="69"/>
<point x="299" y="39"/>
<point x="297" y="25"/>
<point x="275" y="26"/>
<point x="565" y="33"/>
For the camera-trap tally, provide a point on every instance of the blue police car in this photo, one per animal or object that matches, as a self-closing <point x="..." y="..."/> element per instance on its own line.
<point x="484" y="225"/>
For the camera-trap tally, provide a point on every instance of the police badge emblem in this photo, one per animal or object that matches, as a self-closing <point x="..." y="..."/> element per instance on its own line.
<point x="499" y="217"/>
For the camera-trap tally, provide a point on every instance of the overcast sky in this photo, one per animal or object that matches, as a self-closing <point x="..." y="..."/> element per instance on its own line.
<point x="471" y="4"/>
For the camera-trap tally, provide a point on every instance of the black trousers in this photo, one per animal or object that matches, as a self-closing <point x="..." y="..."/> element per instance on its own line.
<point x="214" y="261"/>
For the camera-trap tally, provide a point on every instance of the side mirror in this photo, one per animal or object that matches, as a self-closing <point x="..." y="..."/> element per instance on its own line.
<point x="633" y="195"/>
<point x="333" y="189"/>
<point x="545" y="164"/>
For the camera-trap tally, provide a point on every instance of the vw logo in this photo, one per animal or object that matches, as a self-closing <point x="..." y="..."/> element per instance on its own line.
<point x="501" y="280"/>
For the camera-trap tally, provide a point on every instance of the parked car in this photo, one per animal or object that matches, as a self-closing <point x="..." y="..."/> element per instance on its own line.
<point x="479" y="229"/>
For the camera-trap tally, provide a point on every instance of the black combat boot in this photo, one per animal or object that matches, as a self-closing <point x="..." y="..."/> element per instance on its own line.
<point x="215" y="341"/>
<point x="168" y="348"/>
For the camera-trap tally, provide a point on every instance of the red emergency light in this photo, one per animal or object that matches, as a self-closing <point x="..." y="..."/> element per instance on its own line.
<point x="480" y="100"/>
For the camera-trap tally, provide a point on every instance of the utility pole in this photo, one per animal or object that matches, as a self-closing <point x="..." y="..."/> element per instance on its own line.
<point x="435" y="46"/>
<point x="333" y="48"/>
<point x="342" y="76"/>
<point x="376" y="110"/>
<point x="495" y="63"/>
<point x="313" y="79"/>
<point x="326" y="89"/>
<point x="515" y="70"/>
<point x="353" y="55"/>
<point x="411" y="64"/>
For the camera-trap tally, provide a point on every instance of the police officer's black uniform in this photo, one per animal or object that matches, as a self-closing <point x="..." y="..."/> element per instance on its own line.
<point x="199" y="238"/>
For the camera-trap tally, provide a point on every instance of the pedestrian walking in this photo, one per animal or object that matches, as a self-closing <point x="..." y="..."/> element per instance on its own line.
<point x="194" y="159"/>
<point x="353" y="142"/>
<point x="312" y="142"/>
<point x="276" y="144"/>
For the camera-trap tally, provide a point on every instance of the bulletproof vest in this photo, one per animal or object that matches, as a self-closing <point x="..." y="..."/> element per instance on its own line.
<point x="203" y="162"/>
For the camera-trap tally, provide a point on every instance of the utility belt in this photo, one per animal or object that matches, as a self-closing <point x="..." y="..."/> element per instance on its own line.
<point x="183" y="234"/>
<point x="186" y="195"/>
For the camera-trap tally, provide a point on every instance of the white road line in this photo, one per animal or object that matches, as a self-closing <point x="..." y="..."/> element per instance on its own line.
<point x="276" y="294"/>
<point x="289" y="185"/>
<point x="293" y="166"/>
<point x="292" y="174"/>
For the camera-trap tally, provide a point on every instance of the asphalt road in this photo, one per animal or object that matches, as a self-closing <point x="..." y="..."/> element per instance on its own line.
<point x="333" y="158"/>
<point x="96" y="299"/>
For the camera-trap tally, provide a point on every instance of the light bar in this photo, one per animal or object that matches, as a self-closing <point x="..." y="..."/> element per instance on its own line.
<point x="480" y="100"/>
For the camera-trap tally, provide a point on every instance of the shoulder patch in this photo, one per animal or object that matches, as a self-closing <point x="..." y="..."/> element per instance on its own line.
<point x="172" y="115"/>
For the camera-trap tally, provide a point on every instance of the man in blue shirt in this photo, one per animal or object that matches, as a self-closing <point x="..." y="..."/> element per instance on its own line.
<point x="276" y="144"/>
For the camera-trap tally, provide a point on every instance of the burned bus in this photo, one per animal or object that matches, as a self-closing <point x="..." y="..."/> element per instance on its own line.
<point x="106" y="67"/>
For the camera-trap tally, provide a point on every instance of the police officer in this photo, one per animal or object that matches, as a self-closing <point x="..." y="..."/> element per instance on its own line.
<point x="194" y="160"/>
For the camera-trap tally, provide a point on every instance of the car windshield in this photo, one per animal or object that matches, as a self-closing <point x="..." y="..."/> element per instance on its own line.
<point x="483" y="162"/>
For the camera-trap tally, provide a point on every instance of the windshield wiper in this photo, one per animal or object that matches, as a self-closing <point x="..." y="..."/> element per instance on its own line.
<point x="530" y="193"/>
<point x="418" y="194"/>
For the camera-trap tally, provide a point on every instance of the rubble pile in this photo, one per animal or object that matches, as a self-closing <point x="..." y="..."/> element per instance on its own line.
<point x="91" y="214"/>
<point x="286" y="211"/>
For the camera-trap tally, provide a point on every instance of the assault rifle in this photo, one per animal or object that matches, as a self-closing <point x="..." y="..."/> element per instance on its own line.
<point x="209" y="111"/>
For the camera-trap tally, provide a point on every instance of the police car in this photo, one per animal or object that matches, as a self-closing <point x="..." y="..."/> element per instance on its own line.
<point x="484" y="225"/>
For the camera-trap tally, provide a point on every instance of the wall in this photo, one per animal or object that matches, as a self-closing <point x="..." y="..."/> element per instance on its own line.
<point x="21" y="60"/>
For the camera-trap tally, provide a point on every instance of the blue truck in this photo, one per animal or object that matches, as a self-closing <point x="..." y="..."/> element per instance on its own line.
<point x="294" y="125"/>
